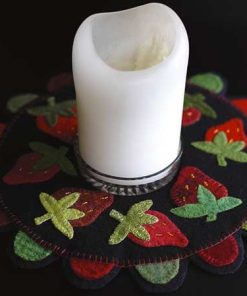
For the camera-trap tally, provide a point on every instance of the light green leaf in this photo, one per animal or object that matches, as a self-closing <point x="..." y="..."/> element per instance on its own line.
<point x="205" y="196"/>
<point x="244" y="226"/>
<point x="236" y="146"/>
<point x="159" y="273"/>
<point x="209" y="81"/>
<point x="119" y="234"/>
<point x="228" y="203"/>
<point x="73" y="214"/>
<point x="220" y="139"/>
<point x="15" y="103"/>
<point x="148" y="219"/>
<point x="69" y="200"/>
<point x="206" y="109"/>
<point x="140" y="207"/>
<point x="207" y="146"/>
<point x="238" y="156"/>
<point x="140" y="232"/>
<point x="190" y="211"/>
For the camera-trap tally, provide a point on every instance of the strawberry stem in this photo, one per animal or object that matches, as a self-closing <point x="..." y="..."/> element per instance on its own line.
<point x="221" y="160"/>
<point x="116" y="215"/>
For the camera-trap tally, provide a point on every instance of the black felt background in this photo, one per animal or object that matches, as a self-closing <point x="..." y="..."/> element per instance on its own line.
<point x="92" y="241"/>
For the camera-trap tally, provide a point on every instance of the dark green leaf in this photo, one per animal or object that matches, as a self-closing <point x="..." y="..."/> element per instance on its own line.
<point x="228" y="203"/>
<point x="43" y="148"/>
<point x="205" y="196"/>
<point x="207" y="146"/>
<point x="220" y="139"/>
<point x="209" y="81"/>
<point x="15" y="103"/>
<point x="67" y="166"/>
<point x="44" y="163"/>
<point x="190" y="211"/>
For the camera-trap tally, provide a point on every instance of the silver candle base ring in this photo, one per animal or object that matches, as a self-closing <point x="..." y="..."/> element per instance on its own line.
<point x="131" y="186"/>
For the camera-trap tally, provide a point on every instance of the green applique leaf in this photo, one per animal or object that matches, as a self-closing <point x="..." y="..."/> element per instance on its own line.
<point x="52" y="110"/>
<point x="133" y="222"/>
<point x="52" y="156"/>
<point x="198" y="101"/>
<point x="15" y="103"/>
<point x="223" y="149"/>
<point x="209" y="81"/>
<point x="207" y="205"/>
<point x="59" y="213"/>
<point x="244" y="226"/>
<point x="160" y="273"/>
<point x="27" y="249"/>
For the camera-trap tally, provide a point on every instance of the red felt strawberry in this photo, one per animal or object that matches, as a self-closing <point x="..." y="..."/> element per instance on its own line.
<point x="89" y="270"/>
<point x="233" y="128"/>
<point x="190" y="116"/>
<point x="57" y="119"/>
<point x="92" y="203"/>
<point x="59" y="81"/>
<point x="241" y="104"/>
<point x="41" y="165"/>
<point x="4" y="220"/>
<point x="222" y="254"/>
<point x="162" y="233"/>
<point x="2" y="128"/>
<point x="23" y="171"/>
<point x="184" y="190"/>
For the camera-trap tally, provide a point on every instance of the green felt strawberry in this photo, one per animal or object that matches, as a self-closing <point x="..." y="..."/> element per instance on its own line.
<point x="209" y="81"/>
<point x="57" y="119"/>
<point x="222" y="149"/>
<point x="207" y="205"/>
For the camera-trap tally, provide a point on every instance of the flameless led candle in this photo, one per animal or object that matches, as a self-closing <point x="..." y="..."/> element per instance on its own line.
<point x="129" y="70"/>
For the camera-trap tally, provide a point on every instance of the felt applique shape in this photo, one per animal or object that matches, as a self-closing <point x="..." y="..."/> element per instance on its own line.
<point x="159" y="273"/>
<point x="2" y="128"/>
<point x="233" y="129"/>
<point x="197" y="101"/>
<point x="91" y="203"/>
<point x="57" y="119"/>
<point x="162" y="233"/>
<point x="15" y="103"/>
<point x="207" y="205"/>
<point x="27" y="249"/>
<point x="244" y="226"/>
<point x="60" y="81"/>
<point x="223" y="149"/>
<point x="41" y="165"/>
<point x="184" y="190"/>
<point x="209" y="81"/>
<point x="241" y="104"/>
<point x="133" y="222"/>
<point x="222" y="254"/>
<point x="59" y="212"/>
<point x="190" y="116"/>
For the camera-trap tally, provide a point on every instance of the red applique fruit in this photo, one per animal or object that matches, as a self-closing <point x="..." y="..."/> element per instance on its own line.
<point x="2" y="128"/>
<point x="57" y="119"/>
<point x="233" y="128"/>
<point x="92" y="203"/>
<point x="24" y="172"/>
<point x="190" y="116"/>
<point x="241" y="104"/>
<point x="89" y="270"/>
<point x="184" y="190"/>
<point x="162" y="233"/>
<point x="59" y="82"/>
<point x="222" y="254"/>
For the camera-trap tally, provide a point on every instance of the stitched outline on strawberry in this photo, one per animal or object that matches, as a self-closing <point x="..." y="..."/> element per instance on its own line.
<point x="184" y="190"/>
<point x="233" y="128"/>
<point x="92" y="203"/>
<point x="41" y="165"/>
<point x="57" y="119"/>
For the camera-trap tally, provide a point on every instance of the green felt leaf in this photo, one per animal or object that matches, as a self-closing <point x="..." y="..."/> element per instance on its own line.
<point x="133" y="222"/>
<point x="59" y="213"/>
<point x="207" y="205"/>
<point x="159" y="273"/>
<point x="209" y="81"/>
<point x="52" y="110"/>
<point x="15" y="103"/>
<point x="244" y="226"/>
<point x="27" y="249"/>
<point x="223" y="149"/>
<point x="52" y="156"/>
<point x="198" y="101"/>
<point x="204" y="196"/>
<point x="228" y="203"/>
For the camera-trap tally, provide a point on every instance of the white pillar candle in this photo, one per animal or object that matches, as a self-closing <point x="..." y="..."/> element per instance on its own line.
<point x="129" y="71"/>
